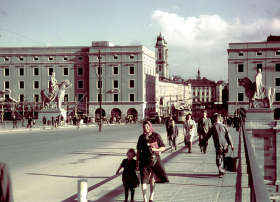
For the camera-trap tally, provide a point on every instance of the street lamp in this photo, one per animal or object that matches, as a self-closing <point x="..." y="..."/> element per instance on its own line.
<point x="100" y="95"/>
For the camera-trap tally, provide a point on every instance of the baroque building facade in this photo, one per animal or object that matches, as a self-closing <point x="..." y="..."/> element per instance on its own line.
<point x="243" y="61"/>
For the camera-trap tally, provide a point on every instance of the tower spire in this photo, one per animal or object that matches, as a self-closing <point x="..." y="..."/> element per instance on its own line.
<point x="198" y="74"/>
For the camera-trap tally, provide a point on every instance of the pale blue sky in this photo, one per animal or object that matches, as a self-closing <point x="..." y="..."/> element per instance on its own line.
<point x="125" y="22"/>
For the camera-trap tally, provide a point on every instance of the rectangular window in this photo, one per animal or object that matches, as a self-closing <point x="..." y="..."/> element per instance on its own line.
<point x="7" y="72"/>
<point x="80" y="71"/>
<point x="116" y="84"/>
<point x="131" y="84"/>
<point x="80" y="84"/>
<point x="277" y="52"/>
<point x="131" y="98"/>
<point x="36" y="98"/>
<point x="35" y="58"/>
<point x="131" y="57"/>
<point x="20" y="58"/>
<point x="277" y="96"/>
<point x="240" y="67"/>
<point x="131" y="70"/>
<point x="35" y="71"/>
<point x="6" y="59"/>
<point x="80" y="97"/>
<point x="21" y="84"/>
<point x="21" y="97"/>
<point x="240" y="54"/>
<point x="277" y="82"/>
<point x="116" y="70"/>
<point x="66" y="98"/>
<point x="7" y="85"/>
<point x="116" y="57"/>
<point x="116" y="97"/>
<point x="36" y="84"/>
<point x="65" y="71"/>
<point x="240" y="97"/>
<point x="50" y="71"/>
<point x="259" y="53"/>
<point x="259" y="66"/>
<point x="21" y="71"/>
<point x="99" y="84"/>
<point x="277" y="67"/>
<point x="51" y="58"/>
<point x="99" y="97"/>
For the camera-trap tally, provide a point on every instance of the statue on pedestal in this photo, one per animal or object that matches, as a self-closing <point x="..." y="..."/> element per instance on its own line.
<point x="259" y="95"/>
<point x="53" y="97"/>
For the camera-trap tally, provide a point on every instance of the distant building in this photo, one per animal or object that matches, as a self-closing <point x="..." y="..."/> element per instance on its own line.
<point x="243" y="60"/>
<point x="206" y="94"/>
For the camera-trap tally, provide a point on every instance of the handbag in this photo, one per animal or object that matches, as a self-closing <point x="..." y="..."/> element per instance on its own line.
<point x="231" y="162"/>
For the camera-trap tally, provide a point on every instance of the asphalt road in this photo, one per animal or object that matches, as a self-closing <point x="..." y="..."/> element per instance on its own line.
<point x="45" y="165"/>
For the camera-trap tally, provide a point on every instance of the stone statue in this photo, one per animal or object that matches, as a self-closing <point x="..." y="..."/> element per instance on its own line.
<point x="259" y="96"/>
<point x="260" y="90"/>
<point x="54" y="96"/>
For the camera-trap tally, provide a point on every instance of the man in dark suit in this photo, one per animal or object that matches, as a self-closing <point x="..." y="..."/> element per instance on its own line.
<point x="204" y="125"/>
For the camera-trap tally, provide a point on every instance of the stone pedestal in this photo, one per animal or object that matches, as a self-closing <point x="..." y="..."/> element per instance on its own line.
<point x="263" y="132"/>
<point x="51" y="113"/>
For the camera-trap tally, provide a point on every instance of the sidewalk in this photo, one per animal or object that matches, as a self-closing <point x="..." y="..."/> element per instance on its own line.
<point x="193" y="177"/>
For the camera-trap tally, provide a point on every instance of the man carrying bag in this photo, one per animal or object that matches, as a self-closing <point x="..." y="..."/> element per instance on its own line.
<point x="222" y="140"/>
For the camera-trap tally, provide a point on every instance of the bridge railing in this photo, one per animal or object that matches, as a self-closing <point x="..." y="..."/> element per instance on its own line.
<point x="258" y="192"/>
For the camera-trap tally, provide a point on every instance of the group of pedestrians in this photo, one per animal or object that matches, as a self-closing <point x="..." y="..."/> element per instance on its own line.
<point x="150" y="145"/>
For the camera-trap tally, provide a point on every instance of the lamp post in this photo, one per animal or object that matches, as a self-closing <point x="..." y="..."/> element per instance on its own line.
<point x="100" y="96"/>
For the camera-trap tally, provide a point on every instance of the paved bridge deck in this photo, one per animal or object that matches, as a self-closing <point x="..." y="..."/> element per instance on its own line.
<point x="193" y="177"/>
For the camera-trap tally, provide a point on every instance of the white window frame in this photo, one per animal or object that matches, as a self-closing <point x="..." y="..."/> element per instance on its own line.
<point x="49" y="70"/>
<point x="5" y="84"/>
<point x="6" y="59"/>
<point x="131" y="55"/>
<point x="240" y="52"/>
<point x="277" y="52"/>
<point x="113" y="72"/>
<point x="19" y="85"/>
<point x="20" y="58"/>
<point x="113" y="84"/>
<point x="261" y="53"/>
<point x="35" y="58"/>
<point x="35" y="97"/>
<point x="65" y="58"/>
<point x="5" y="72"/>
<point x="133" y="70"/>
<point x="34" y="71"/>
<point x="34" y="84"/>
<point x="19" y="71"/>
<point x="49" y="58"/>
<point x="67" y="71"/>
<point x="114" y="97"/>
<point x="134" y="97"/>
<point x="129" y="84"/>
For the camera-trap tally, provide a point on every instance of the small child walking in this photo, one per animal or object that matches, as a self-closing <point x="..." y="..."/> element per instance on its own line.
<point x="129" y="177"/>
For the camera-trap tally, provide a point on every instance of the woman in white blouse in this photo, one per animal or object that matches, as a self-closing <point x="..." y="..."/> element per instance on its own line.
<point x="189" y="131"/>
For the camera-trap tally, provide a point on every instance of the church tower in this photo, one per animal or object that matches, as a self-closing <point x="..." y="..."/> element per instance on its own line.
<point x="161" y="57"/>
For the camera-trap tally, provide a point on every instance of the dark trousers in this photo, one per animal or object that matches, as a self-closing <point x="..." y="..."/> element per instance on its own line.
<point x="132" y="190"/>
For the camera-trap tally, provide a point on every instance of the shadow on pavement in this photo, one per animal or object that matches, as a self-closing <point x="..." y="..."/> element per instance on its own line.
<point x="66" y="176"/>
<point x="193" y="175"/>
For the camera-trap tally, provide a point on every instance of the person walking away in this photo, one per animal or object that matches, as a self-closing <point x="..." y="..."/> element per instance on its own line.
<point x="6" y="194"/>
<point x="149" y="147"/>
<point x="167" y="122"/>
<point x="129" y="177"/>
<point x="222" y="140"/>
<point x="14" y="121"/>
<point x="204" y="125"/>
<point x="44" y="122"/>
<point x="172" y="132"/>
<point x="189" y="132"/>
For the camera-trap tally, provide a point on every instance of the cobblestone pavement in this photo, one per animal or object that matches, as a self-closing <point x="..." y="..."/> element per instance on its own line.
<point x="193" y="177"/>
